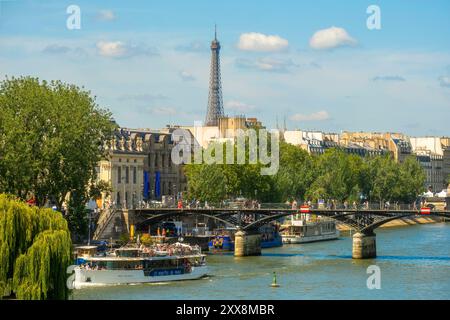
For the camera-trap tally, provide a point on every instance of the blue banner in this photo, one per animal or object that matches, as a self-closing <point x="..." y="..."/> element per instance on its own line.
<point x="146" y="184"/>
<point x="157" y="184"/>
<point x="166" y="272"/>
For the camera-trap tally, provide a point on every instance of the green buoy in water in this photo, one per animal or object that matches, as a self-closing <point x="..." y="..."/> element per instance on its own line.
<point x="274" y="281"/>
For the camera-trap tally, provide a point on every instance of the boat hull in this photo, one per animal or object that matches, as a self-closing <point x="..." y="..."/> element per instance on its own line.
<point x="290" y="239"/>
<point x="94" y="278"/>
<point x="276" y="242"/>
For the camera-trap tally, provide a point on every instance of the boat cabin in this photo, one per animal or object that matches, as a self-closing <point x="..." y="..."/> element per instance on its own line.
<point x="86" y="251"/>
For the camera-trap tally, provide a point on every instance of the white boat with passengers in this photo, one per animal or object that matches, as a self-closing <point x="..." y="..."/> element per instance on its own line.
<point x="133" y="265"/>
<point x="302" y="228"/>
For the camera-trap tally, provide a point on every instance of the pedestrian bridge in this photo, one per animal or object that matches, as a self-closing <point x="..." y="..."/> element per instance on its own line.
<point x="363" y="220"/>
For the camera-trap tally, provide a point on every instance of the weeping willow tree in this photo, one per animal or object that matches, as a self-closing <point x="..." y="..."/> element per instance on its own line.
<point x="35" y="251"/>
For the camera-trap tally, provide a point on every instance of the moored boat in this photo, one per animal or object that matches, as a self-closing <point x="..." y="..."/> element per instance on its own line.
<point x="223" y="241"/>
<point x="270" y="237"/>
<point x="302" y="230"/>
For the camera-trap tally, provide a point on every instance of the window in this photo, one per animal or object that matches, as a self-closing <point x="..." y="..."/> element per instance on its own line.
<point x="119" y="174"/>
<point x="127" y="174"/>
<point x="118" y="197"/>
<point x="134" y="175"/>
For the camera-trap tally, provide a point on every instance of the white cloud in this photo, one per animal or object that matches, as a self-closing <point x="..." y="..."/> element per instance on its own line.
<point x="331" y="38"/>
<point x="254" y="41"/>
<point x="106" y="15"/>
<point x="111" y="49"/>
<point x="267" y="64"/>
<point x="186" y="76"/>
<point x="119" y="49"/>
<point x="316" y="116"/>
<point x="388" y="78"/>
<point x="444" y="81"/>
<point x="142" y="97"/>
<point x="56" y="49"/>
<point x="163" y="110"/>
<point x="194" y="46"/>
<point x="239" y="106"/>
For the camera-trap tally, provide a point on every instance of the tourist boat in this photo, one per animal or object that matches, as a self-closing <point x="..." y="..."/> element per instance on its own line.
<point x="300" y="229"/>
<point x="133" y="265"/>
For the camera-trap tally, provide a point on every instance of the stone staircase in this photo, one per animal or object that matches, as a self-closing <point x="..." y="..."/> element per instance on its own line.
<point x="105" y="224"/>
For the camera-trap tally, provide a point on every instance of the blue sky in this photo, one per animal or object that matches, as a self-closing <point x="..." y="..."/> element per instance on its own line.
<point x="314" y="63"/>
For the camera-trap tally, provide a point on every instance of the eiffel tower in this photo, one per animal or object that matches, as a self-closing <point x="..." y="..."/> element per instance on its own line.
<point x="215" y="103"/>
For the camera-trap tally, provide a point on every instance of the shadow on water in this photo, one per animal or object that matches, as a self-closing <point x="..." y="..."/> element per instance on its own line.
<point x="325" y="256"/>
<point x="412" y="258"/>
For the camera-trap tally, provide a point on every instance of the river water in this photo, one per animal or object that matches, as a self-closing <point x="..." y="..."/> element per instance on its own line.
<point x="414" y="262"/>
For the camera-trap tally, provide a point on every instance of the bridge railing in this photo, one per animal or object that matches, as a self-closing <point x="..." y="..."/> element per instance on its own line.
<point x="367" y="206"/>
<point x="254" y="205"/>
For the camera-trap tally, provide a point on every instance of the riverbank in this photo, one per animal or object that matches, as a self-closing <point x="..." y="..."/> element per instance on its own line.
<point x="399" y="222"/>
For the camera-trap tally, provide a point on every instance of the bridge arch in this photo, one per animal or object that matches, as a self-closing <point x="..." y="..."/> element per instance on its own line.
<point x="176" y="213"/>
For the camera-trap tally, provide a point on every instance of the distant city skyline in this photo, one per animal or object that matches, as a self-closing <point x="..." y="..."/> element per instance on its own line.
<point x="315" y="64"/>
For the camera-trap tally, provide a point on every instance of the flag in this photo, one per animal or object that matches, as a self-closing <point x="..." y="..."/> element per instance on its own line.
<point x="157" y="184"/>
<point x="146" y="184"/>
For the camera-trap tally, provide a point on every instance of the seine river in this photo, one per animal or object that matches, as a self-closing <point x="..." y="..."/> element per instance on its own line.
<point x="414" y="263"/>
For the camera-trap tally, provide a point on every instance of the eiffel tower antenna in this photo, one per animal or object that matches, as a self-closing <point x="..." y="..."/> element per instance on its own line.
<point x="215" y="103"/>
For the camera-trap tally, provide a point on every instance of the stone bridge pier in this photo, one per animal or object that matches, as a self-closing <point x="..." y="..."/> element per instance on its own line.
<point x="247" y="243"/>
<point x="364" y="245"/>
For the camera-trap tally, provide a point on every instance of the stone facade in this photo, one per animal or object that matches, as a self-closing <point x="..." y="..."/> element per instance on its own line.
<point x="226" y="130"/>
<point x="379" y="143"/>
<point x="133" y="153"/>
<point x="317" y="142"/>
<point x="433" y="153"/>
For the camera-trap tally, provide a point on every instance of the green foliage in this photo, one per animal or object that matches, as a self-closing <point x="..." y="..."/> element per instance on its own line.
<point x="333" y="175"/>
<point x="51" y="138"/>
<point x="295" y="175"/>
<point x="97" y="188"/>
<point x="35" y="251"/>
<point x="146" y="239"/>
<point x="411" y="180"/>
<point x="206" y="182"/>
<point x="337" y="175"/>
<point x="124" y="239"/>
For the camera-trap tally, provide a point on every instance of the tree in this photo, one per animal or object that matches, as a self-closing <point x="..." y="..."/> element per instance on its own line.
<point x="337" y="176"/>
<point x="219" y="181"/>
<point x="296" y="172"/>
<point x="35" y="251"/>
<point x="382" y="178"/>
<point x="205" y="182"/>
<point x="52" y="136"/>
<point x="411" y="180"/>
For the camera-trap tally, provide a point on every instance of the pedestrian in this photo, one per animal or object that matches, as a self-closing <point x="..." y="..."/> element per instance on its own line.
<point x="294" y="205"/>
